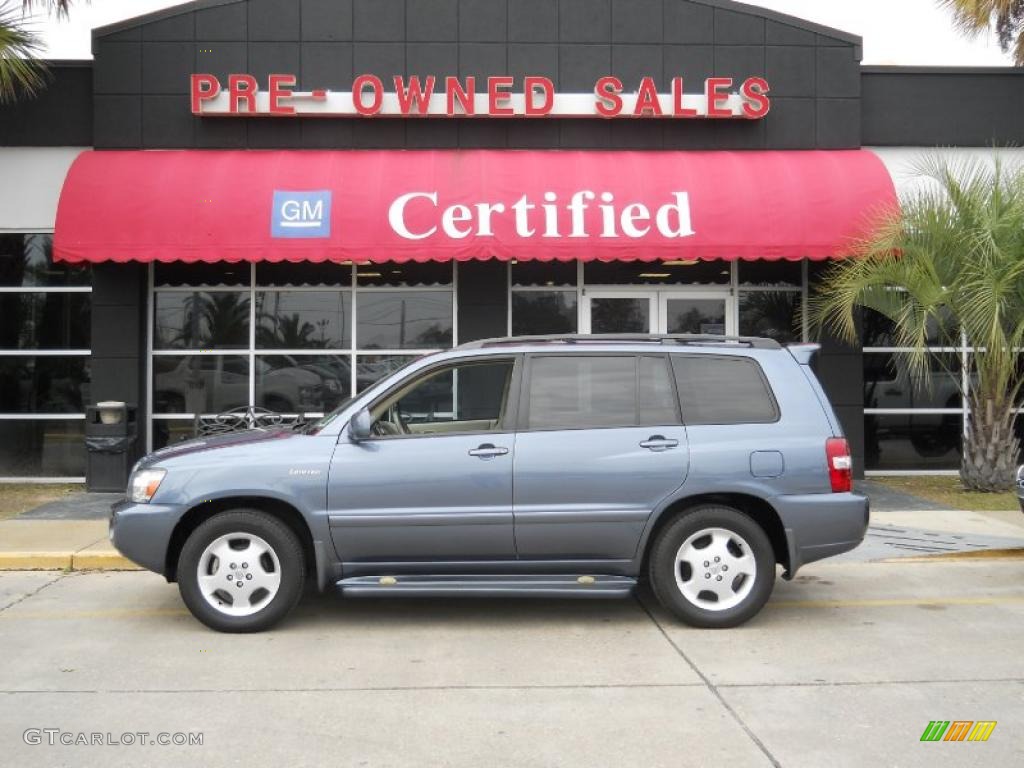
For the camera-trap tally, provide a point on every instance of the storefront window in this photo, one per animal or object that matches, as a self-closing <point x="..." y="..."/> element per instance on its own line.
<point x="303" y="319"/>
<point x="44" y="308"/>
<point x="770" y="274"/>
<point x="201" y="320"/>
<point x="200" y="383"/>
<point x="302" y="383"/>
<point x="43" y="384"/>
<point x="372" y="368"/>
<point x="774" y="314"/>
<point x="543" y="312"/>
<point x="404" y="320"/>
<point x="913" y="441"/>
<point x="291" y="338"/>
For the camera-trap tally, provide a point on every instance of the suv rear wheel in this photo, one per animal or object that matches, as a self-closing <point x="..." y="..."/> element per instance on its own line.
<point x="241" y="571"/>
<point x="712" y="567"/>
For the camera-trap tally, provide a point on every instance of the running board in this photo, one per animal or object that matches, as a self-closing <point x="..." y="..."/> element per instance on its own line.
<point x="487" y="586"/>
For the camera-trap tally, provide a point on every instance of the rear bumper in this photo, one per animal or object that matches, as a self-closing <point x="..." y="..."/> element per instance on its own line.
<point x="142" y="532"/>
<point x="821" y="525"/>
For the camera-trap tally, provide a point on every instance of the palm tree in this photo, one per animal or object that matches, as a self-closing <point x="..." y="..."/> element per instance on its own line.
<point x="972" y="17"/>
<point x="953" y="258"/>
<point x="20" y="69"/>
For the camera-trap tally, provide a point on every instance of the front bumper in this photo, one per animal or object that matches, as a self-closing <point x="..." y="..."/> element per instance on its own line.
<point x="142" y="532"/>
<point x="822" y="525"/>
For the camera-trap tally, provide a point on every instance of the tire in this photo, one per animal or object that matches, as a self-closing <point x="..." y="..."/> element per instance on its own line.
<point x="740" y="544"/>
<point x="268" y="563"/>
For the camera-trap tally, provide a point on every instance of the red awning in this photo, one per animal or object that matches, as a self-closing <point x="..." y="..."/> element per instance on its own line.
<point x="466" y="204"/>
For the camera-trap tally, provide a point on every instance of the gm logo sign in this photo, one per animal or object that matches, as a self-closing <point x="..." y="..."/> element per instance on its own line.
<point x="301" y="214"/>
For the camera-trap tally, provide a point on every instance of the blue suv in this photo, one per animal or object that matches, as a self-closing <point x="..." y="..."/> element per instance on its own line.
<point x="570" y="466"/>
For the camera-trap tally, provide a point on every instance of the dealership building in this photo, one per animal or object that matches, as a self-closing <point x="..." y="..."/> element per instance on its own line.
<point x="274" y="203"/>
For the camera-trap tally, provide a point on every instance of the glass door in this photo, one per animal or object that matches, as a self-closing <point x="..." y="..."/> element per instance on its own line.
<point x="619" y="311"/>
<point x="696" y="312"/>
<point x="636" y="310"/>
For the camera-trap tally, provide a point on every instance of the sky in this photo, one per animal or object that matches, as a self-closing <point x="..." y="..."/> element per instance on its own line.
<point x="903" y="32"/>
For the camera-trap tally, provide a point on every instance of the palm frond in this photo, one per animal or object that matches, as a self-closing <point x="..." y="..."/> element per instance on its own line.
<point x="20" y="70"/>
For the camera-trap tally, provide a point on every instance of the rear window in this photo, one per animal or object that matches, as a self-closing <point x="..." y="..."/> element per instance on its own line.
<point x="723" y="390"/>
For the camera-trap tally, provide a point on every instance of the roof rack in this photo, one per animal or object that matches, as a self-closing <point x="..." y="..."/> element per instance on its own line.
<point x="694" y="339"/>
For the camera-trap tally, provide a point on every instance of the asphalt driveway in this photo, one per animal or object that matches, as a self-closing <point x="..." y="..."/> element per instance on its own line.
<point x="846" y="666"/>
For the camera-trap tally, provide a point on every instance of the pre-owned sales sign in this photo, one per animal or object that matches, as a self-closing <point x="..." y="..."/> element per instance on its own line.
<point x="241" y="96"/>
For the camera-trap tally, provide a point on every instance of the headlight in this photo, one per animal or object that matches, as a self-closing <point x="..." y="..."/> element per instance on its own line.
<point x="143" y="485"/>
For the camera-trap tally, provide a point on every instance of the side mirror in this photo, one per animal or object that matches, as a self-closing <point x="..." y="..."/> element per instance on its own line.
<point x="359" y="427"/>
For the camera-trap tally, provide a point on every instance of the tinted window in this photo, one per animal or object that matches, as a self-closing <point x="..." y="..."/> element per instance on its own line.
<point x="657" y="397"/>
<point x="574" y="392"/>
<point x="722" y="390"/>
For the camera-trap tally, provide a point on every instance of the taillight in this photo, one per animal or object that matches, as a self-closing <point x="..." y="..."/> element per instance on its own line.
<point x="840" y="464"/>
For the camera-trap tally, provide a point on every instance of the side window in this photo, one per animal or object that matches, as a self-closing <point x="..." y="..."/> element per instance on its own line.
<point x="657" y="396"/>
<point x="723" y="390"/>
<point x="467" y="397"/>
<point x="578" y="391"/>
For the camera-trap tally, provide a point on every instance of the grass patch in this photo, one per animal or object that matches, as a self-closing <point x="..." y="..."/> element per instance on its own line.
<point x="16" y="498"/>
<point x="949" y="492"/>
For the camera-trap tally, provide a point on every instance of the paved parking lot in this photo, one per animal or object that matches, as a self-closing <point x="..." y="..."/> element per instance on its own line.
<point x="846" y="666"/>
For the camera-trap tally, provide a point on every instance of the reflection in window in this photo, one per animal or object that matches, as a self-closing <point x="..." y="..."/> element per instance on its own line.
<point x="303" y="319"/>
<point x="701" y="316"/>
<point x="201" y="320"/>
<point x="878" y="331"/>
<point x="302" y="383"/>
<point x="43" y="384"/>
<point x="199" y="383"/>
<point x="27" y="261"/>
<point x="889" y="381"/>
<point x="372" y="368"/>
<point x="42" y="448"/>
<point x="912" y="441"/>
<point x="771" y="314"/>
<point x="45" y="320"/>
<point x="542" y="312"/>
<point x="620" y="315"/>
<point x="404" y="319"/>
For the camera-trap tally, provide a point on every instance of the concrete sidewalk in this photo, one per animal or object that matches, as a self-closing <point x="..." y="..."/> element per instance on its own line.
<point x="28" y="544"/>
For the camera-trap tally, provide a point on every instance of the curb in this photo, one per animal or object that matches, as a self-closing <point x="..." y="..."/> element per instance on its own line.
<point x="65" y="561"/>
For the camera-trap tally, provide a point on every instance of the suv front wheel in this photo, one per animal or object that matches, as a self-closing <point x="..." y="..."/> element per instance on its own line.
<point x="713" y="567"/>
<point x="241" y="571"/>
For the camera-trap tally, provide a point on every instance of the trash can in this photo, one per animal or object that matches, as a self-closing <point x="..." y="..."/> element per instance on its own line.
<point x="111" y="430"/>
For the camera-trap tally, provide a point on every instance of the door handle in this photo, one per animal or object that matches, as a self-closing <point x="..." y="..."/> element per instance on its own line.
<point x="488" y="451"/>
<point x="658" y="443"/>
